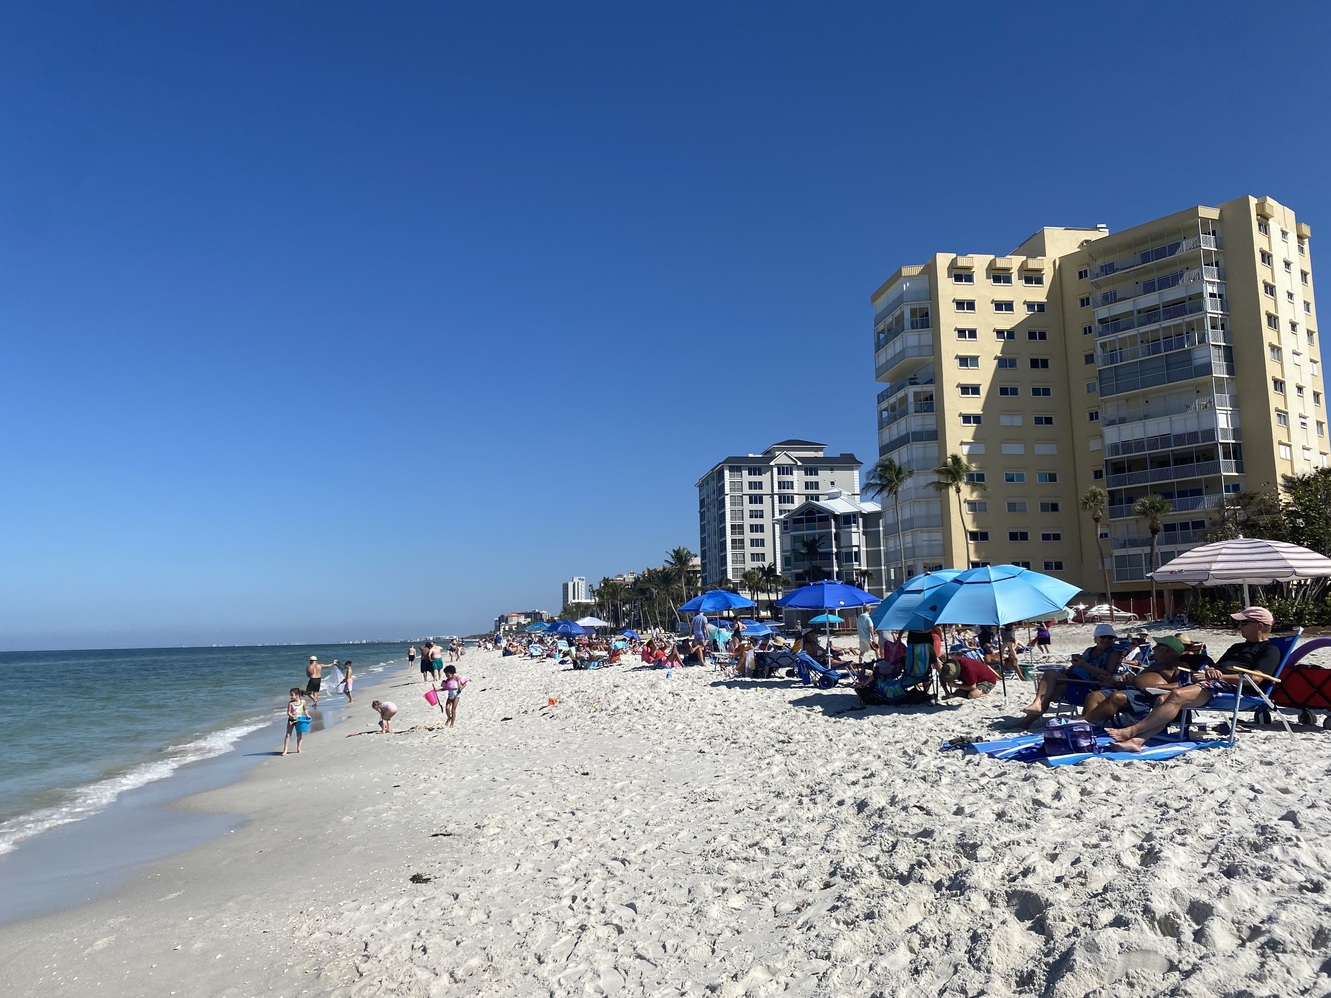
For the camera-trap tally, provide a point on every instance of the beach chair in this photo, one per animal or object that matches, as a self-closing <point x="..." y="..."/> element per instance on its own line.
<point x="1257" y="698"/>
<point x="812" y="672"/>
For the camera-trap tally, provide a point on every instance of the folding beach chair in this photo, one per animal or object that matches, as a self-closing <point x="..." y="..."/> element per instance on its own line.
<point x="812" y="672"/>
<point x="1257" y="699"/>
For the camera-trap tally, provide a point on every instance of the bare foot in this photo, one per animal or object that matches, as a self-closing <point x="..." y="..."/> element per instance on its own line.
<point x="1127" y="744"/>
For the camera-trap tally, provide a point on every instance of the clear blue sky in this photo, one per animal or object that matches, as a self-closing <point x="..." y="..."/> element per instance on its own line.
<point x="330" y="320"/>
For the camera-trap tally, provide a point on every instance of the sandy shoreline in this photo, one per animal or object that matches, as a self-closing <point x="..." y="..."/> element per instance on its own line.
<point x="683" y="836"/>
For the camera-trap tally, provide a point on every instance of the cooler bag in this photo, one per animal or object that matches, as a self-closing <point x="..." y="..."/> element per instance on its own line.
<point x="1306" y="686"/>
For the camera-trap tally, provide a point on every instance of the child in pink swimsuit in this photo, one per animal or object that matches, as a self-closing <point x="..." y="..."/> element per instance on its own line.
<point x="453" y="687"/>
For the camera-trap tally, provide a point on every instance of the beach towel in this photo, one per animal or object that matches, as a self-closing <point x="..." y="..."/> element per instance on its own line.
<point x="1030" y="749"/>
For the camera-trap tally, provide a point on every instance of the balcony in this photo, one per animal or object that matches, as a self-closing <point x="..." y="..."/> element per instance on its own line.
<point x="913" y="289"/>
<point x="1157" y="285"/>
<point x="1169" y="441"/>
<point x="1183" y="339"/>
<point x="906" y="348"/>
<point x="1175" y="472"/>
<point x="1124" y="510"/>
<point x="920" y="379"/>
<point x="1165" y="251"/>
<point x="1175" y="369"/>
<point x="1166" y="537"/>
<point x="1217" y="304"/>
<point x="1115" y="414"/>
<point x="892" y="416"/>
<point x="918" y="430"/>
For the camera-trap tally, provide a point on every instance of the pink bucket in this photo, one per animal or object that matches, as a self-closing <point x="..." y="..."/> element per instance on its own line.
<point x="432" y="697"/>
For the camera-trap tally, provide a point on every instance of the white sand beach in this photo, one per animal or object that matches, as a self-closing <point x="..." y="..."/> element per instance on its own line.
<point x="686" y="836"/>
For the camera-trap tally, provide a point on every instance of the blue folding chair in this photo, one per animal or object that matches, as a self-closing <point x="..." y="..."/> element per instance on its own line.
<point x="1258" y="699"/>
<point x="812" y="672"/>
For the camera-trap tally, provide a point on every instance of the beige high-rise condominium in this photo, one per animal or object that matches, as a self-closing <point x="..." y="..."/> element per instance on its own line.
<point x="1085" y="358"/>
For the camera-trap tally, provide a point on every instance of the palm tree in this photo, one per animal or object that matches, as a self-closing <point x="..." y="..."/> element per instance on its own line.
<point x="679" y="562"/>
<point x="773" y="580"/>
<point x="810" y="549"/>
<point x="1096" y="502"/>
<point x="1153" y="509"/>
<point x="887" y="479"/>
<point x="753" y="580"/>
<point x="609" y="596"/>
<point x="952" y="476"/>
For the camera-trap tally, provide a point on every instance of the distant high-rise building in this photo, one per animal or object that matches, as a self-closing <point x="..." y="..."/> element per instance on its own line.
<point x="1088" y="359"/>
<point x="574" y="591"/>
<point x="741" y="498"/>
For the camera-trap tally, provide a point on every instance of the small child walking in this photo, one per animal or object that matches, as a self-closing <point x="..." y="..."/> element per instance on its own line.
<point x="453" y="687"/>
<point x="348" y="682"/>
<point x="296" y="713"/>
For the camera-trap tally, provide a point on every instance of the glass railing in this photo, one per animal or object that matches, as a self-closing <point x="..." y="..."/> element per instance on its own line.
<point x="1156" y="254"/>
<point x="1155" y="316"/>
<point x="1198" y="469"/>
<point x="1123" y="510"/>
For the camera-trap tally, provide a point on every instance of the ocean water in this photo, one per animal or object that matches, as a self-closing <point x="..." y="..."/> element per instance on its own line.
<point x="80" y="728"/>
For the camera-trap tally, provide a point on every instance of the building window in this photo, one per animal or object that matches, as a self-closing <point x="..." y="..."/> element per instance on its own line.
<point x="963" y="277"/>
<point x="1044" y="420"/>
<point x="1003" y="306"/>
<point x="755" y="514"/>
<point x="970" y="419"/>
<point x="1308" y="307"/>
<point x="1032" y="280"/>
<point x="1037" y="334"/>
<point x="1014" y="477"/>
<point x="967" y="334"/>
<point x="755" y="500"/>
<point x="1047" y="448"/>
<point x="1008" y="391"/>
<point x="1285" y="452"/>
<point x="1005" y="334"/>
<point x="755" y="486"/>
<point x="1039" y="363"/>
<point x="1298" y="391"/>
<point x="1289" y="267"/>
<point x="964" y="304"/>
<point x="757" y="559"/>
<point x="1268" y="289"/>
<point x="757" y="542"/>
<point x="1296" y="357"/>
<point x="754" y="528"/>
<point x="969" y="447"/>
<point x="1053" y="566"/>
<point x="1263" y="228"/>
<point x="1278" y="386"/>
<point x="1009" y="419"/>
<point x="1086" y="330"/>
<point x="1267" y="259"/>
<point x="1046" y="477"/>
<point x="1014" y="448"/>
<point x="1303" y="275"/>
<point x="1317" y="398"/>
<point x="1097" y="473"/>
<point x="1044" y="392"/>
<point x="977" y="535"/>
<point x="1017" y="536"/>
<point x="1088" y="358"/>
<point x="977" y="506"/>
<point x="1000" y="278"/>
<point x="810" y="471"/>
<point x="786" y="486"/>
<point x="975" y="477"/>
<point x="1282" y="417"/>
<point x="1016" y="506"/>
<point x="969" y="391"/>
<point x="1051" y="535"/>
<point x="785" y="500"/>
<point x="1093" y="416"/>
<point x="1084" y="301"/>
<point x="967" y="363"/>
<point x="1007" y="363"/>
<point x="1321" y="429"/>
<point x="1022" y="564"/>
<point x="1049" y="507"/>
<point x="1034" y="307"/>
<point x="1092" y="387"/>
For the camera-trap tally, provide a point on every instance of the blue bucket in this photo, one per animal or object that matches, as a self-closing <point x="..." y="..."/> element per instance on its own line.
<point x="302" y="724"/>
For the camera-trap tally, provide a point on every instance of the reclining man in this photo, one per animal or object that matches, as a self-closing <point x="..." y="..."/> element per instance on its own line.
<point x="1254" y="653"/>
<point x="1139" y="696"/>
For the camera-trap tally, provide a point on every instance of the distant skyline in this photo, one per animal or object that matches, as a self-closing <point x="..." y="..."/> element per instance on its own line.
<point x="328" y="321"/>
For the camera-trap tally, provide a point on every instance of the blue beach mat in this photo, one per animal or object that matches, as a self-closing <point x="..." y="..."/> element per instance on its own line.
<point x="1030" y="748"/>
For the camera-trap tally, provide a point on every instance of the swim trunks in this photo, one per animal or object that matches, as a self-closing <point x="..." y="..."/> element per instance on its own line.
<point x="313" y="685"/>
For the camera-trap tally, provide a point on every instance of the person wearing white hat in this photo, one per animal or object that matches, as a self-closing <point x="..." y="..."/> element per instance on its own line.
<point x="1254" y="653"/>
<point x="314" y="678"/>
<point x="1098" y="664"/>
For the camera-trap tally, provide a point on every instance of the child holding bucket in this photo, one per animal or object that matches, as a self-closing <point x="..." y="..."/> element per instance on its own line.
<point x="453" y="687"/>
<point x="298" y="719"/>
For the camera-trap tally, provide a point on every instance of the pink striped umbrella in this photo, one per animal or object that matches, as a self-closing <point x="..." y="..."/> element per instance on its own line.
<point x="1246" y="562"/>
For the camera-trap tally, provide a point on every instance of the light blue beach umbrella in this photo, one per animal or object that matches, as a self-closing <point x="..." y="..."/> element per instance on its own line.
<point x="994" y="595"/>
<point x="533" y="628"/>
<point x="826" y="618"/>
<point x="899" y="605"/>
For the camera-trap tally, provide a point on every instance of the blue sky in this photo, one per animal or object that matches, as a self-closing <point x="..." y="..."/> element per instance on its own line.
<point x="323" y="321"/>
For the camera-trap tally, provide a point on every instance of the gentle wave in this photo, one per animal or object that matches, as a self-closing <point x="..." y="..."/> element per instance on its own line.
<point x="98" y="796"/>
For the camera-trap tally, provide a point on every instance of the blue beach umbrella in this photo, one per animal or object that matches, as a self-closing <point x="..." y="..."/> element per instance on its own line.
<point x="900" y="604"/>
<point x="533" y="628"/>
<point x="716" y="600"/>
<point x="566" y="629"/>
<point x="629" y="632"/>
<point x="826" y="618"/>
<point x="828" y="594"/>
<point x="754" y="629"/>
<point x="995" y="595"/>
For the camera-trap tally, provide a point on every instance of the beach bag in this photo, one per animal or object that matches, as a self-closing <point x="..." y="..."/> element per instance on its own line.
<point x="1063" y="736"/>
<point x="432" y="698"/>
<point x="1306" y="686"/>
